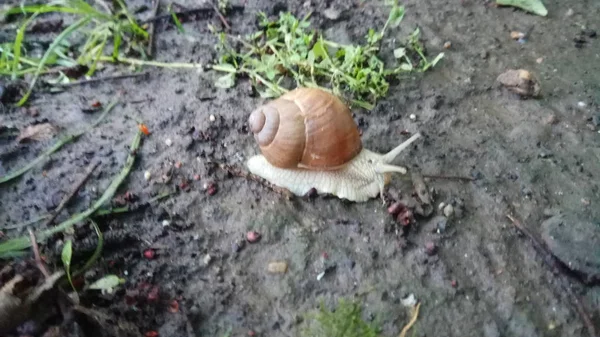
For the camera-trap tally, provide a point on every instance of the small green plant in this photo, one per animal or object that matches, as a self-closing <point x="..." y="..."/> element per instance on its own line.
<point x="344" y="321"/>
<point x="287" y="47"/>
<point x="100" y="28"/>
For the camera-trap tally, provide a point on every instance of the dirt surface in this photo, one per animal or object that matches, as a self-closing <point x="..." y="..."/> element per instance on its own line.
<point x="532" y="157"/>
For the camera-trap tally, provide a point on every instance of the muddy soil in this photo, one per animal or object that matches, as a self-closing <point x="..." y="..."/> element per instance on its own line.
<point x="532" y="157"/>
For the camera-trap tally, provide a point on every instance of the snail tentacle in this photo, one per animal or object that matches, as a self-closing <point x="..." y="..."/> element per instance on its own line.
<point x="391" y="155"/>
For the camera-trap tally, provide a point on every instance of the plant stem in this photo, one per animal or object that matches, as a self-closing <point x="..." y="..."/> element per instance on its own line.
<point x="55" y="148"/>
<point x="150" y="63"/>
<point x="17" y="244"/>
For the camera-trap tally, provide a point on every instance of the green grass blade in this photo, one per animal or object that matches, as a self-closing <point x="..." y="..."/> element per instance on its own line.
<point x="18" y="44"/>
<point x="79" y="23"/>
<point x="14" y="245"/>
<point x="55" y="148"/>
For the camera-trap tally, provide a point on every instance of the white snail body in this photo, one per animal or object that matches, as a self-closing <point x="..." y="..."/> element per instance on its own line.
<point x="308" y="140"/>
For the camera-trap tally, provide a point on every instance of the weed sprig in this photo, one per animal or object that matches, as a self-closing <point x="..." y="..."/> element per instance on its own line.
<point x="288" y="48"/>
<point x="101" y="29"/>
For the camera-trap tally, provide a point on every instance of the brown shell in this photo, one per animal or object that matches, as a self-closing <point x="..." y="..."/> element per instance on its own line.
<point x="306" y="127"/>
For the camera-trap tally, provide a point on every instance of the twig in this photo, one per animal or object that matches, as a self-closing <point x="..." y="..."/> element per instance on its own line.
<point x="100" y="79"/>
<point x="152" y="29"/>
<point x="219" y="14"/>
<point x="552" y="263"/>
<point x="433" y="176"/>
<point x="70" y="196"/>
<point x="36" y="253"/>
<point x="413" y="319"/>
<point x="138" y="62"/>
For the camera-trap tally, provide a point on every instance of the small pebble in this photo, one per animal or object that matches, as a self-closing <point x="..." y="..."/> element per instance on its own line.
<point x="147" y="175"/>
<point x="332" y="13"/>
<point x="454" y="283"/>
<point x="277" y="267"/>
<point x="165" y="223"/>
<point x="441" y="206"/>
<point x="448" y="211"/>
<point x="430" y="248"/>
<point x="515" y="35"/>
<point x="551" y="119"/>
<point x="409" y="301"/>
<point x="412" y="116"/>
<point x="581" y="104"/>
<point x="207" y="259"/>
<point x="169" y="142"/>
<point x="569" y="12"/>
<point x="596" y="119"/>
<point x="212" y="118"/>
<point x="447" y="45"/>
<point x="539" y="60"/>
<point x="441" y="225"/>
<point x="149" y="254"/>
<point x="253" y="236"/>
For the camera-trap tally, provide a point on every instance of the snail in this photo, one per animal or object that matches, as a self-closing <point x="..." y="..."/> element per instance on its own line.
<point x="308" y="139"/>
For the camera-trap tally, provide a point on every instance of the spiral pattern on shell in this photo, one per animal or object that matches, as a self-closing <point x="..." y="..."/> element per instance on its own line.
<point x="308" y="128"/>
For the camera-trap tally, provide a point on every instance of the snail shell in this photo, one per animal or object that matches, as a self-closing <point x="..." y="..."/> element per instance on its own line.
<point x="306" y="128"/>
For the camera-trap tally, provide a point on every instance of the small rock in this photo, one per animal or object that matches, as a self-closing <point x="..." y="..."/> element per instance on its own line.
<point x="581" y="104"/>
<point x="551" y="119"/>
<point x="332" y="13"/>
<point x="277" y="267"/>
<point x="441" y="225"/>
<point x="409" y="301"/>
<point x="412" y="116"/>
<point x="168" y="141"/>
<point x="166" y="223"/>
<point x="575" y="241"/>
<point x="430" y="248"/>
<point x="441" y="206"/>
<point x="147" y="175"/>
<point x="253" y="236"/>
<point x="207" y="259"/>
<point x="448" y="210"/>
<point x="520" y="81"/>
<point x="211" y="118"/>
<point x="515" y="35"/>
<point x="569" y="12"/>
<point x="447" y="45"/>
<point x="596" y="119"/>
<point x="539" y="60"/>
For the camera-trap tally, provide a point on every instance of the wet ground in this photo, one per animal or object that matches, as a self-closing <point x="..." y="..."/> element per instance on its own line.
<point x="531" y="158"/>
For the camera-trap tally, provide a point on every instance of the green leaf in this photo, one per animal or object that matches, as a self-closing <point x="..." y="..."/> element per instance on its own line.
<point x="66" y="255"/>
<point x="67" y="252"/>
<point x="399" y="52"/>
<point x="319" y="49"/>
<point x="533" y="6"/>
<point x="107" y="282"/>
<point x="396" y="16"/>
<point x="226" y="81"/>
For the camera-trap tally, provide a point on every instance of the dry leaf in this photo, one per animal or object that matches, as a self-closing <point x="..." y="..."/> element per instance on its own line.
<point x="37" y="132"/>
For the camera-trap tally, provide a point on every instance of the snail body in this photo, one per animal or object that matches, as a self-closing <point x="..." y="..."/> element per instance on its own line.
<point x="308" y="139"/>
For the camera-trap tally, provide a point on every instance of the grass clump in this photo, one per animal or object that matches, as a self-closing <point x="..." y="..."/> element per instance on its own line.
<point x="344" y="321"/>
<point x="288" y="48"/>
<point x="102" y="29"/>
